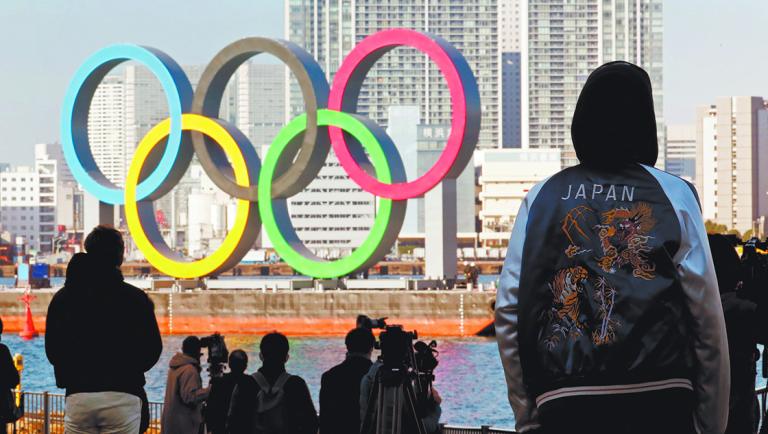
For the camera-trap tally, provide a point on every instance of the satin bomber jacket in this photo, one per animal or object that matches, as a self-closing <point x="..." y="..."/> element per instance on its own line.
<point x="608" y="287"/>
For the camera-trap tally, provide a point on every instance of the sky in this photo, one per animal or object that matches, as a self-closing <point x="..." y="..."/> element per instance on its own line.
<point x="711" y="48"/>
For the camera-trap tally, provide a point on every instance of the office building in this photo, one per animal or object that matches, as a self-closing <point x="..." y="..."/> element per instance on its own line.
<point x="563" y="41"/>
<point x="36" y="200"/>
<point x="329" y="29"/>
<point x="20" y="206"/>
<point x="731" y="146"/>
<point x="259" y="102"/>
<point x="506" y="176"/>
<point x="681" y="151"/>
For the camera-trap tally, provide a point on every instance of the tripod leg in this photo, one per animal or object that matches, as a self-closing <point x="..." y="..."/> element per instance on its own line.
<point x="410" y="404"/>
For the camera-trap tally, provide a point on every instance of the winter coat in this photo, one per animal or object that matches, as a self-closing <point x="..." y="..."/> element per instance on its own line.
<point x="101" y="333"/>
<point x="608" y="286"/>
<point x="340" y="396"/>
<point x="184" y="396"/>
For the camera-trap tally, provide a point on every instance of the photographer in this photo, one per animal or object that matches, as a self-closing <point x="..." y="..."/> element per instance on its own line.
<point x="217" y="405"/>
<point x="428" y="407"/>
<point x="184" y="391"/>
<point x="340" y="385"/>
<point x="752" y="327"/>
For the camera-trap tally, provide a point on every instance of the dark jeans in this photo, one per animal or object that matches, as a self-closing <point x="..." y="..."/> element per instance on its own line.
<point x="660" y="412"/>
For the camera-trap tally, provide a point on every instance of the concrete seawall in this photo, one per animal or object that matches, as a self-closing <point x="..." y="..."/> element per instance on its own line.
<point x="297" y="313"/>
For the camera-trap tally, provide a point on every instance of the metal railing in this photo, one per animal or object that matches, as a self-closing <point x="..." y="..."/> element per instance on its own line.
<point x="44" y="414"/>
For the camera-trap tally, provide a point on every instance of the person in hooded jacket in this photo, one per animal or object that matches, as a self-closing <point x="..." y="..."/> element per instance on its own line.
<point x="101" y="337"/>
<point x="184" y="391"/>
<point x="608" y="316"/>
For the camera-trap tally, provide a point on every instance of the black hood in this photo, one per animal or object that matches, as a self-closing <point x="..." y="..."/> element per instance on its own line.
<point x="614" y="122"/>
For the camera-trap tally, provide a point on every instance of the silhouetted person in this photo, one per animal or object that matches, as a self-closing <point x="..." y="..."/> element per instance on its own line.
<point x="278" y="402"/>
<point x="101" y="337"/>
<point x="745" y="329"/>
<point x="9" y="378"/>
<point x="340" y="385"/>
<point x="217" y="405"/>
<point x="184" y="391"/>
<point x="608" y="316"/>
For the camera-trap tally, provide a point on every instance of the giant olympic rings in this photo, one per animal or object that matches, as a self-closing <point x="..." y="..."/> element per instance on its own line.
<point x="293" y="160"/>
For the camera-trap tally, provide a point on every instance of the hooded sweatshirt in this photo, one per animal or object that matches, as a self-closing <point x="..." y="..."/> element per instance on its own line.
<point x="101" y="333"/>
<point x="184" y="396"/>
<point x="608" y="285"/>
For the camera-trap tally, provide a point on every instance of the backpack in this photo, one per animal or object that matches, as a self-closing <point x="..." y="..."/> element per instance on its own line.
<point x="270" y="405"/>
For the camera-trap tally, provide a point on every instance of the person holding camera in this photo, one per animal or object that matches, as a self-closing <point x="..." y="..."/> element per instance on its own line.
<point x="184" y="391"/>
<point x="340" y="385"/>
<point x="608" y="316"/>
<point x="220" y="398"/>
<point x="276" y="402"/>
<point x="101" y="337"/>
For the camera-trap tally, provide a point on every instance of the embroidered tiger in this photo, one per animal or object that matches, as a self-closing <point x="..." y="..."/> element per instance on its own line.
<point x="566" y="289"/>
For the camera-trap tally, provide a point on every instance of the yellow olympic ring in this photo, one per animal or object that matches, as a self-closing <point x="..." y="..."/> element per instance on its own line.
<point x="139" y="214"/>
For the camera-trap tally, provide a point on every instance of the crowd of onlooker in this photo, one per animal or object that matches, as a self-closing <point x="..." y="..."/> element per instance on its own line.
<point x="104" y="383"/>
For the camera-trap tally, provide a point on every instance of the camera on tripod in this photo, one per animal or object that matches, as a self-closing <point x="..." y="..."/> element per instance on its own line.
<point x="217" y="353"/>
<point x="402" y="392"/>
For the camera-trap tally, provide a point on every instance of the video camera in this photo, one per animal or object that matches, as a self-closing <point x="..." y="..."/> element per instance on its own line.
<point x="365" y="322"/>
<point x="404" y="360"/>
<point x="218" y="354"/>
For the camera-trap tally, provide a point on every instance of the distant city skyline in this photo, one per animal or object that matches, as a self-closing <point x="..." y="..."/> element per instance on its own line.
<point x="709" y="51"/>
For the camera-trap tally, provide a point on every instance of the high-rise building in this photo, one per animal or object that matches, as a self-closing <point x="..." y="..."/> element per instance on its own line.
<point x="681" y="151"/>
<point x="731" y="146"/>
<point x="329" y="29"/>
<point x="563" y="41"/>
<point x="260" y="101"/>
<point x="57" y="195"/>
<point x="510" y="64"/>
<point x="107" y="128"/>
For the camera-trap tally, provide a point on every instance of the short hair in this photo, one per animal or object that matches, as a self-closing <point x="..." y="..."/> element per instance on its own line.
<point x="191" y="346"/>
<point x="238" y="361"/>
<point x="105" y="244"/>
<point x="360" y="340"/>
<point x="1" y="326"/>
<point x="274" y="347"/>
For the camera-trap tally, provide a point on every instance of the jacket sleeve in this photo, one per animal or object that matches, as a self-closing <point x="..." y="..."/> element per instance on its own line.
<point x="507" y="320"/>
<point x="53" y="332"/>
<point x="366" y="385"/>
<point x="152" y="343"/>
<point x="710" y="343"/>
<point x="191" y="388"/>
<point x="305" y="421"/>
<point x="326" y="402"/>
